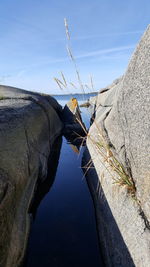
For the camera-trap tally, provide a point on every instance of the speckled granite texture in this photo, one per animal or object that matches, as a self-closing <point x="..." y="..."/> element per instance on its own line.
<point x="123" y="115"/>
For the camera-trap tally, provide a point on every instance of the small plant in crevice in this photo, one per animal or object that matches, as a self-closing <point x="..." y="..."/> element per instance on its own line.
<point x="110" y="161"/>
<point x="99" y="143"/>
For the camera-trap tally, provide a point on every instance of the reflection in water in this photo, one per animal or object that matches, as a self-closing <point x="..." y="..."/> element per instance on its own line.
<point x="74" y="127"/>
<point x="75" y="142"/>
<point x="75" y="148"/>
<point x="43" y="187"/>
<point x="64" y="231"/>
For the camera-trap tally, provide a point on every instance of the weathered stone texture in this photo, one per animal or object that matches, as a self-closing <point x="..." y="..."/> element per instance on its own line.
<point x="29" y="124"/>
<point x="131" y="112"/>
<point x="123" y="115"/>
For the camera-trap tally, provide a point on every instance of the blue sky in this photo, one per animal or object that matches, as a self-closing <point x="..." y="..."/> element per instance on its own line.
<point x="104" y="34"/>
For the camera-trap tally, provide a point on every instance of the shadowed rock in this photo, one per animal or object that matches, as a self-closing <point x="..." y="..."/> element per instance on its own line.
<point x="29" y="125"/>
<point x="74" y="128"/>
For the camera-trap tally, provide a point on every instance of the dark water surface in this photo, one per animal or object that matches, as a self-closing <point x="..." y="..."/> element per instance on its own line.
<point x="63" y="233"/>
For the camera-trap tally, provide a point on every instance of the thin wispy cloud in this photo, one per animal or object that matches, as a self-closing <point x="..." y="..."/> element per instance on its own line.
<point x="98" y="36"/>
<point x="46" y="34"/>
<point x="113" y="51"/>
<point x="88" y="37"/>
<point x="106" y="35"/>
<point x="105" y="51"/>
<point x="103" y="36"/>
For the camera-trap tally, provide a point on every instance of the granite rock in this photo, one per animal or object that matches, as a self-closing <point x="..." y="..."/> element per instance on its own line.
<point x="122" y="114"/>
<point x="29" y="125"/>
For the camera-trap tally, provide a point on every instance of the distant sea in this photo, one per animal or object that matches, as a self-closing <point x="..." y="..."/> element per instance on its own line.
<point x="86" y="113"/>
<point x="63" y="99"/>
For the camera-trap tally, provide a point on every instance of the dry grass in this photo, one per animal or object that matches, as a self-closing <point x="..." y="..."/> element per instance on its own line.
<point x="99" y="143"/>
<point x="62" y="82"/>
<point x="110" y="161"/>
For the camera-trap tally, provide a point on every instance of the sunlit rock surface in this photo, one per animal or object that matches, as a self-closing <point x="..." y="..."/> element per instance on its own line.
<point x="122" y="114"/>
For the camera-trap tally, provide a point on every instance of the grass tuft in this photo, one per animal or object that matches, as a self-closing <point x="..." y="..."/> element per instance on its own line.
<point x="109" y="160"/>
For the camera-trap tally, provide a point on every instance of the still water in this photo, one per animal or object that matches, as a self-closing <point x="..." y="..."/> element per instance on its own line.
<point x="63" y="232"/>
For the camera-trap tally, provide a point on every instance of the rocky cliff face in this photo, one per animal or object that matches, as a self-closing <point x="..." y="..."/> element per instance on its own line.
<point x="29" y="124"/>
<point x="123" y="121"/>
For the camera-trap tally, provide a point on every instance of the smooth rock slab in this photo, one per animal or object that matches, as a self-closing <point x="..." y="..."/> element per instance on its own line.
<point x="29" y="124"/>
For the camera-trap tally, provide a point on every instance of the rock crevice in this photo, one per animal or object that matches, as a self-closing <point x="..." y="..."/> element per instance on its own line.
<point x="126" y="127"/>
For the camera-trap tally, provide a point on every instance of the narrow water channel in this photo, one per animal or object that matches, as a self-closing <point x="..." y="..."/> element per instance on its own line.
<point x="63" y="232"/>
